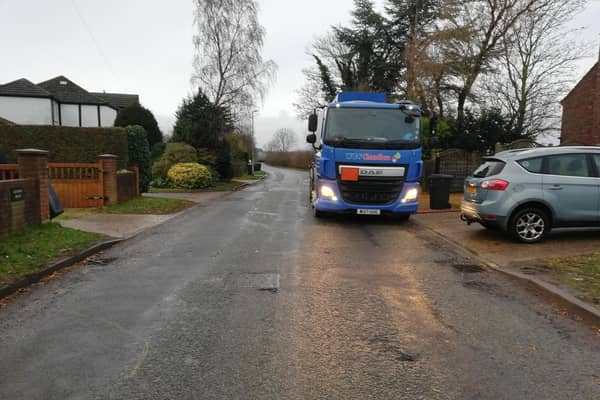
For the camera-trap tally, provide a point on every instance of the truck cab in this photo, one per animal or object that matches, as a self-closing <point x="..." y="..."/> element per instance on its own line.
<point x="368" y="156"/>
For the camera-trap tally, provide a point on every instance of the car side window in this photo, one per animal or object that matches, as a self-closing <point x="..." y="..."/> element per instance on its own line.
<point x="596" y="158"/>
<point x="568" y="165"/>
<point x="532" y="164"/>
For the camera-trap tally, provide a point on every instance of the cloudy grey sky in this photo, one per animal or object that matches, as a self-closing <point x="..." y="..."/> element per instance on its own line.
<point x="145" y="47"/>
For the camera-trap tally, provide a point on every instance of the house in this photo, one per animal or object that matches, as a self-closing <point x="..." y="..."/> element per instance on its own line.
<point x="60" y="101"/>
<point x="581" y="111"/>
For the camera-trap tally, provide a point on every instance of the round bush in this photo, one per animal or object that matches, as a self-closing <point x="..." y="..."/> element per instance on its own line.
<point x="189" y="176"/>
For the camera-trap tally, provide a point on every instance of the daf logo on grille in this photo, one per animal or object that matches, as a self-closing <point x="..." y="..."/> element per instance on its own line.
<point x="370" y="172"/>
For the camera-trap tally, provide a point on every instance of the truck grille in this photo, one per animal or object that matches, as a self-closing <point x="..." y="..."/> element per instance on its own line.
<point x="372" y="190"/>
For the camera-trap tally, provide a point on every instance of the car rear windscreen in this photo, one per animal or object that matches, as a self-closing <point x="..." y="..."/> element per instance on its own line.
<point x="488" y="168"/>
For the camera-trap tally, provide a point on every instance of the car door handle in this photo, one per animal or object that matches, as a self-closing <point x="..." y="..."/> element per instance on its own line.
<point x="555" y="187"/>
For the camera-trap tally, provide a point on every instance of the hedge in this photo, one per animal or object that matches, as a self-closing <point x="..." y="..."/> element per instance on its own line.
<point x="293" y="159"/>
<point x="66" y="144"/>
<point x="139" y="154"/>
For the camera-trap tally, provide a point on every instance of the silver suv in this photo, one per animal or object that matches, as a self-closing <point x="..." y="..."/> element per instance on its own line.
<point x="528" y="192"/>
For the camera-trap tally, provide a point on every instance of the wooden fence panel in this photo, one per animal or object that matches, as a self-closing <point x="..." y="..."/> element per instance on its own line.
<point x="77" y="185"/>
<point x="9" y="171"/>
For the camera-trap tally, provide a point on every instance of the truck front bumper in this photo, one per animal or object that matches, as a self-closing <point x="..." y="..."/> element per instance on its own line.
<point x="336" y="204"/>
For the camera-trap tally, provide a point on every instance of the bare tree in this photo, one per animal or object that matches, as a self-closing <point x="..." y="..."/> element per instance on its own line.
<point x="536" y="68"/>
<point x="475" y="32"/>
<point x="283" y="140"/>
<point x="228" y="64"/>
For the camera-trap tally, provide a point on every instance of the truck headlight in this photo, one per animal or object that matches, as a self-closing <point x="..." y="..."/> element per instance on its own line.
<point x="411" y="195"/>
<point x="328" y="193"/>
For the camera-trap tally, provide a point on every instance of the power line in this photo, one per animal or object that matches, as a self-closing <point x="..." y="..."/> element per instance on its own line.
<point x="98" y="48"/>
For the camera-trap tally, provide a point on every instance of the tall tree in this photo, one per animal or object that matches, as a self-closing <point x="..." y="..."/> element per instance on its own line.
<point x="474" y="32"/>
<point x="135" y="114"/>
<point x="201" y="123"/>
<point x="228" y="65"/>
<point x="535" y="69"/>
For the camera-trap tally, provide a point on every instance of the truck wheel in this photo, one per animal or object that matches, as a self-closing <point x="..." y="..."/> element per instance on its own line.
<point x="529" y="225"/>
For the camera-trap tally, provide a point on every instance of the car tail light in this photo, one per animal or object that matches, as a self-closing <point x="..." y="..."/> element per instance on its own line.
<point x="494" y="184"/>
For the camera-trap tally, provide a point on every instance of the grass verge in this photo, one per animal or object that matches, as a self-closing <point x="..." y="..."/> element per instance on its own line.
<point x="581" y="273"/>
<point x="32" y="249"/>
<point x="148" y="205"/>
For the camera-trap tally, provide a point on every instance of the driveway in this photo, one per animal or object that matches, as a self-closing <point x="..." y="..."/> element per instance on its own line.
<point x="253" y="298"/>
<point x="501" y="249"/>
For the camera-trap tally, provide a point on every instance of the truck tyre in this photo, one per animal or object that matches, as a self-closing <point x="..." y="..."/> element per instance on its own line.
<point x="529" y="225"/>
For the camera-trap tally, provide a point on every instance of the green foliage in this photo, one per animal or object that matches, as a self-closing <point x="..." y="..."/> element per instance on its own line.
<point x="223" y="162"/>
<point x="157" y="150"/>
<point x="66" y="144"/>
<point x="189" y="176"/>
<point x="200" y="123"/>
<point x="479" y="132"/>
<point x="139" y="154"/>
<point x="174" y="153"/>
<point x="5" y="122"/>
<point x="135" y="114"/>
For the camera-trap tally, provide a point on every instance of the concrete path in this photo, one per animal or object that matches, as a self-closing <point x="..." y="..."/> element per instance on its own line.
<point x="115" y="225"/>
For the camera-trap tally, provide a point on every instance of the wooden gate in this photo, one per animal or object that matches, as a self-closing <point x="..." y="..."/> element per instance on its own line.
<point x="77" y="185"/>
<point x="9" y="171"/>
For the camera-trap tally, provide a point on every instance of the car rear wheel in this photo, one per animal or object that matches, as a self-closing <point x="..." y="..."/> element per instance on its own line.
<point x="529" y="225"/>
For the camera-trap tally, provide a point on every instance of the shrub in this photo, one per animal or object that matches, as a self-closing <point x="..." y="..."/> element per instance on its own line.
<point x="66" y="144"/>
<point x="157" y="150"/>
<point x="293" y="159"/>
<point x="139" y="154"/>
<point x="223" y="161"/>
<point x="189" y="176"/>
<point x="175" y="153"/>
<point x="135" y="114"/>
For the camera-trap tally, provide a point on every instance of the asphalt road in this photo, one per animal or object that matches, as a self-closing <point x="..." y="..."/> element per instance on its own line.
<point x="252" y="298"/>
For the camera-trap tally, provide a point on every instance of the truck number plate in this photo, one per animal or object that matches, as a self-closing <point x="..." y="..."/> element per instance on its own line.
<point x="368" y="211"/>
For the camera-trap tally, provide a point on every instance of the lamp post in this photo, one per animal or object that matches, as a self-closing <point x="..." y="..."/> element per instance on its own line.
<point x="253" y="143"/>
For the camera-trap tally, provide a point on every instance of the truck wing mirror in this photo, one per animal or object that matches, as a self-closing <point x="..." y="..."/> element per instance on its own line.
<point x="312" y="123"/>
<point x="311" y="138"/>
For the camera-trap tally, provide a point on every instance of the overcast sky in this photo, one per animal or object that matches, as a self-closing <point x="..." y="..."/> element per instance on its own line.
<point x="145" y="47"/>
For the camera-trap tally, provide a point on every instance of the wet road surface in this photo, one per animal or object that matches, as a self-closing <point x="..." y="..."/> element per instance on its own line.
<point x="252" y="298"/>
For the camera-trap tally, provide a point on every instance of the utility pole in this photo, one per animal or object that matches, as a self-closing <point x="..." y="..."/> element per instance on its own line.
<point x="253" y="142"/>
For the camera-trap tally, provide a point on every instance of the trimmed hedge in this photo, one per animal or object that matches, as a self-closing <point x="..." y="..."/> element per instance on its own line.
<point x="139" y="154"/>
<point x="66" y="144"/>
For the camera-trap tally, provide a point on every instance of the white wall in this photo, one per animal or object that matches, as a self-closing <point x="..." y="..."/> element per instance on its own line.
<point x="107" y="116"/>
<point x="26" y="110"/>
<point x="89" y="116"/>
<point x="69" y="114"/>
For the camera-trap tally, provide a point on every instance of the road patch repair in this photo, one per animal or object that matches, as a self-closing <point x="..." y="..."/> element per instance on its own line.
<point x="550" y="265"/>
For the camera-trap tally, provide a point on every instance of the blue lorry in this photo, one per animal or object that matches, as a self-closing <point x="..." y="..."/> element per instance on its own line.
<point x="368" y="156"/>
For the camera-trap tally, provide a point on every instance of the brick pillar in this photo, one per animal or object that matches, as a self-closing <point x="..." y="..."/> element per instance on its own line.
<point x="109" y="171"/>
<point x="33" y="164"/>
<point x="596" y="107"/>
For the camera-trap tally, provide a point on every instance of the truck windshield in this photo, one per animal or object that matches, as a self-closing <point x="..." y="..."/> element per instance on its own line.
<point x="371" y="128"/>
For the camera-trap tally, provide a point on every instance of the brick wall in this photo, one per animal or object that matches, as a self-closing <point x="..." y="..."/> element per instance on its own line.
<point x="15" y="215"/>
<point x="581" y="110"/>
